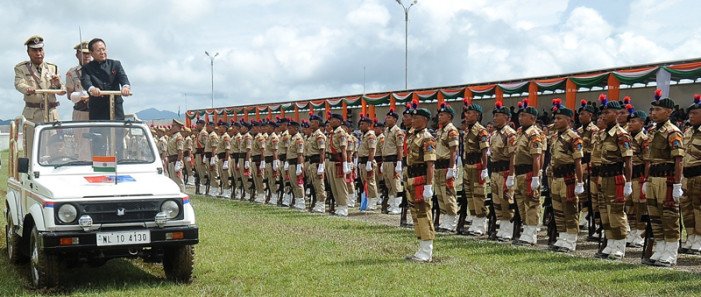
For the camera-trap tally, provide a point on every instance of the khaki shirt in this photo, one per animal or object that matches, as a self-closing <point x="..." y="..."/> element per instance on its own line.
<point x="236" y="143"/>
<point x="615" y="145"/>
<point x="258" y="145"/>
<point x="284" y="141"/>
<point x="692" y="138"/>
<point x="212" y="142"/>
<point x="73" y="80"/>
<point x="640" y="144"/>
<point x="565" y="148"/>
<point x="162" y="145"/>
<point x="596" y="148"/>
<point x="526" y="144"/>
<point x="224" y="144"/>
<point x="499" y="143"/>
<point x="380" y="144"/>
<point x="339" y="140"/>
<point x="352" y="144"/>
<point x="422" y="148"/>
<point x="296" y="147"/>
<point x="666" y="142"/>
<point x="176" y="144"/>
<point x="448" y="137"/>
<point x="476" y="139"/>
<point x="246" y="142"/>
<point x="318" y="142"/>
<point x="27" y="76"/>
<point x="188" y="143"/>
<point x="201" y="139"/>
<point x="394" y="138"/>
<point x="271" y="145"/>
<point x="368" y="144"/>
<point x="586" y="133"/>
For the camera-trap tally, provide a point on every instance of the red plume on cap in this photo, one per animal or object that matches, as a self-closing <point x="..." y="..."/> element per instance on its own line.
<point x="629" y="107"/>
<point x="525" y="103"/>
<point x="583" y="103"/>
<point x="465" y="101"/>
<point x="415" y="103"/>
<point x="374" y="120"/>
<point x="697" y="98"/>
<point x="499" y="104"/>
<point x="391" y="110"/>
<point x="626" y="100"/>
<point x="602" y="99"/>
<point x="444" y="105"/>
<point x="556" y="104"/>
<point x="658" y="94"/>
<point x="311" y="112"/>
<point x="408" y="105"/>
<point x="520" y="105"/>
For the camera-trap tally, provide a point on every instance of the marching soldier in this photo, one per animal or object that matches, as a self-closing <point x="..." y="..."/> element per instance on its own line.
<point x="223" y="163"/>
<point x="200" y="168"/>
<point x="306" y="131"/>
<point x="244" y="165"/>
<point x="500" y="156"/>
<point x="295" y="161"/>
<point x="615" y="174"/>
<point x="420" y="161"/>
<point x="663" y="187"/>
<point x="210" y="151"/>
<point x="587" y="130"/>
<point x="379" y="178"/>
<point x="175" y="148"/>
<point x="237" y="181"/>
<point x="567" y="178"/>
<point x="338" y="166"/>
<point x="272" y="164"/>
<point x="691" y="201"/>
<point x="475" y="173"/>
<point x="366" y="159"/>
<point x="258" y="162"/>
<point x="636" y="205"/>
<point x="407" y="117"/>
<point x="317" y="161"/>
<point x="284" y="144"/>
<point x="446" y="170"/>
<point x="527" y="151"/>
<point x="392" y="155"/>
<point x="352" y="159"/>
<point x="187" y="154"/>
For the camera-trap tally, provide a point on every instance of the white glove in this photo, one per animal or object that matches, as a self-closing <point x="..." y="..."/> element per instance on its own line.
<point x="320" y="169"/>
<point x="286" y="166"/>
<point x="627" y="189"/>
<point x="77" y="96"/>
<point x="355" y="163"/>
<point x="398" y="167"/>
<point x="262" y="165"/>
<point x="510" y="181"/>
<point x="247" y="164"/>
<point x="451" y="173"/>
<point x="204" y="160"/>
<point x="346" y="167"/>
<point x="579" y="188"/>
<point x="276" y="164"/>
<point x="368" y="166"/>
<point x="187" y="159"/>
<point x="225" y="165"/>
<point x="677" y="192"/>
<point x="299" y="169"/>
<point x="178" y="166"/>
<point x="428" y="192"/>
<point x="382" y="171"/>
<point x="535" y="183"/>
<point x="212" y="161"/>
<point x="484" y="174"/>
<point x="644" y="189"/>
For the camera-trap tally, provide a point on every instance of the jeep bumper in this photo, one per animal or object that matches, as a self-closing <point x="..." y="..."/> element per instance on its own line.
<point x="80" y="241"/>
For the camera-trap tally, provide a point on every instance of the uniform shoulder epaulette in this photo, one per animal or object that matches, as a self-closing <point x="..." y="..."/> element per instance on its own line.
<point x="22" y="63"/>
<point x="572" y="134"/>
<point x="533" y="130"/>
<point x="672" y="128"/>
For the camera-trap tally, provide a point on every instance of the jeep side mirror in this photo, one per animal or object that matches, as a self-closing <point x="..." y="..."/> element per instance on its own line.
<point x="23" y="165"/>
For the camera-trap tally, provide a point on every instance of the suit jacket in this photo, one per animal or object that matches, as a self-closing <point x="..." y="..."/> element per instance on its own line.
<point x="107" y="76"/>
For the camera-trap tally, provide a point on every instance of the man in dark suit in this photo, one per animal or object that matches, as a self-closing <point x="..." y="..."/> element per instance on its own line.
<point x="104" y="74"/>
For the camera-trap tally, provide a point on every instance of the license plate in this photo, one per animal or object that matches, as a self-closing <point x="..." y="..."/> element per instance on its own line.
<point x="123" y="238"/>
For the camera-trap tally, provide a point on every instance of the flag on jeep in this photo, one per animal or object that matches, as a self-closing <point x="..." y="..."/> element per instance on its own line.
<point x="104" y="163"/>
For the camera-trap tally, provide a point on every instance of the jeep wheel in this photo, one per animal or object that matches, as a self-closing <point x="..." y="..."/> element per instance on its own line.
<point x="178" y="262"/>
<point x="12" y="242"/>
<point x="43" y="267"/>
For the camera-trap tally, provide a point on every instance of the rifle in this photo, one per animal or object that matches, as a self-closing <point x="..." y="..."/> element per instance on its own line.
<point x="384" y="195"/>
<point x="648" y="242"/>
<point x="197" y="183"/>
<point x="436" y="209"/>
<point x="591" y="224"/>
<point x="329" y="196"/>
<point x="549" y="214"/>
<point x="405" y="209"/>
<point x="280" y="189"/>
<point x="491" y="218"/>
<point x="462" y="212"/>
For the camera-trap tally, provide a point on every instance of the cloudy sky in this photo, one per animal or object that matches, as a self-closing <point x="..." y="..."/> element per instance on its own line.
<point x="280" y="50"/>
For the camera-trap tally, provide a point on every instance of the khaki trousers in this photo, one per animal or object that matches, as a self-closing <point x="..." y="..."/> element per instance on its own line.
<point x="528" y="201"/>
<point x="369" y="178"/>
<point x="224" y="173"/>
<point x="177" y="177"/>
<point x="339" y="187"/>
<point x="611" y="208"/>
<point x="565" y="206"/>
<point x="297" y="188"/>
<point x="664" y="217"/>
<point x="213" y="173"/>
<point x="258" y="176"/>
<point x="691" y="206"/>
<point x="501" y="196"/>
<point x="421" y="215"/>
<point x="392" y="181"/>
<point x="317" y="181"/>
<point x="474" y="191"/>
<point x="272" y="177"/>
<point x="447" y="202"/>
<point x="636" y="207"/>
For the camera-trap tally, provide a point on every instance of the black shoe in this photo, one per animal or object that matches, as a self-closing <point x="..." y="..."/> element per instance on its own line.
<point x="519" y="242"/>
<point x="647" y="261"/>
<point x="601" y="255"/>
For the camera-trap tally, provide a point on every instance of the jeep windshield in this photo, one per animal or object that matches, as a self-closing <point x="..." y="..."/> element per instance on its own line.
<point x="76" y="146"/>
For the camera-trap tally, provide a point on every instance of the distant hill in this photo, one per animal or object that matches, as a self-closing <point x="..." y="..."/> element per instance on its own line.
<point x="155" y="114"/>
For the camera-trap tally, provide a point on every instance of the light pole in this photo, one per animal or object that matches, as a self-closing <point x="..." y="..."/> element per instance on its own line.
<point x="406" y="41"/>
<point x="211" y="63"/>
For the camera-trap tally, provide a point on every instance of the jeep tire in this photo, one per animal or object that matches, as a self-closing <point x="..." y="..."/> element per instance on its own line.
<point x="178" y="263"/>
<point x="43" y="268"/>
<point x="13" y="242"/>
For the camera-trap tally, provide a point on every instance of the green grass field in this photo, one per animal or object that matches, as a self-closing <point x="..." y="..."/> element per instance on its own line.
<point x="249" y="249"/>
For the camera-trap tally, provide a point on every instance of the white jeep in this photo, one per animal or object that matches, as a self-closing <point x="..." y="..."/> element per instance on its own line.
<point x="63" y="209"/>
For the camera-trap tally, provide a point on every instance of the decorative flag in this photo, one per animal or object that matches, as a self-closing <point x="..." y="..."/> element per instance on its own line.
<point x="104" y="163"/>
<point x="103" y="179"/>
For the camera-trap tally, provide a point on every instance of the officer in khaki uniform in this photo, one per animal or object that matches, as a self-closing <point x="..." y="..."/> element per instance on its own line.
<point x="587" y="130"/>
<point x="500" y="157"/>
<point x="175" y="148"/>
<point x="615" y="180"/>
<point x="272" y="164"/>
<point x="475" y="173"/>
<point x="223" y="162"/>
<point x="210" y="151"/>
<point x="337" y="166"/>
<point x="74" y="88"/>
<point x="258" y="162"/>
<point x="447" y="142"/>
<point x="366" y="160"/>
<point x="352" y="159"/>
<point x="379" y="128"/>
<point x="420" y="162"/>
<point x="295" y="161"/>
<point x="37" y="74"/>
<point x="232" y="132"/>
<point x="527" y="151"/>
<point x="244" y="165"/>
<point x="392" y="155"/>
<point x="567" y="178"/>
<point x="187" y="154"/>
<point x="162" y="144"/>
<point x="200" y="138"/>
<point x="636" y="205"/>
<point x="691" y="201"/>
<point x="236" y="157"/>
<point x="317" y="158"/>
<point x="407" y="118"/>
<point x="282" y="147"/>
<point x="663" y="187"/>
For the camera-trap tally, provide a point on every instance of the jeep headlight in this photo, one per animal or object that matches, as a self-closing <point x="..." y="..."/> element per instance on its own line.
<point x="67" y="213"/>
<point x="170" y="208"/>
